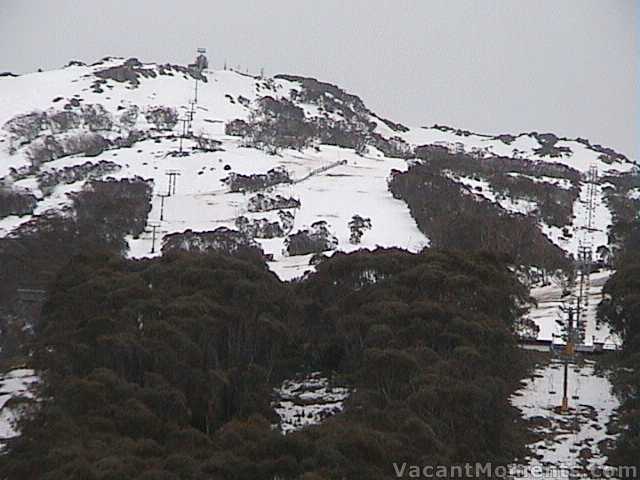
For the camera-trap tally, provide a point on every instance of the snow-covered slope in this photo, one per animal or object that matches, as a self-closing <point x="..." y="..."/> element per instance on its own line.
<point x="16" y="389"/>
<point x="572" y="445"/>
<point x="306" y="401"/>
<point x="551" y="321"/>
<point x="122" y="119"/>
<point x="578" y="154"/>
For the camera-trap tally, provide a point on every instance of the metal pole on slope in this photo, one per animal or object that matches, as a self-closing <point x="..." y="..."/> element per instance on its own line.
<point x="184" y="121"/>
<point x="162" y="198"/>
<point x="168" y="174"/>
<point x="581" y="287"/>
<point x="154" y="227"/>
<point x="172" y="181"/>
<point x="565" y="386"/>
<point x="569" y="352"/>
<point x="585" y="253"/>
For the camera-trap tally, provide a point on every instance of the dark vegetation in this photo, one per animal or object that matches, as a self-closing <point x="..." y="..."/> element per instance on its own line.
<point x="48" y="148"/>
<point x="87" y="129"/>
<point x="620" y="309"/>
<point x="264" y="203"/>
<point x="131" y="71"/>
<point x="514" y="178"/>
<point x="162" y="118"/>
<point x="32" y="254"/>
<point x="316" y="239"/>
<point x="277" y="124"/>
<point x="344" y="120"/>
<point x="222" y="239"/>
<point x="208" y="144"/>
<point x="257" y="181"/>
<point x="454" y="218"/>
<point x="333" y="98"/>
<point x="548" y="146"/>
<point x="607" y="155"/>
<point x="548" y="143"/>
<point x="357" y="226"/>
<point x="16" y="203"/>
<point x="624" y="209"/>
<point x="163" y="368"/>
<point x="263" y="228"/>
<point x="49" y="179"/>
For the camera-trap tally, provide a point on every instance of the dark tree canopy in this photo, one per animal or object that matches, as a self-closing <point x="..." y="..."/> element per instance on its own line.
<point x="163" y="368"/>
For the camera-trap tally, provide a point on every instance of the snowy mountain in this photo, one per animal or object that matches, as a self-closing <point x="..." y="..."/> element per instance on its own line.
<point x="288" y="164"/>
<point x="144" y="159"/>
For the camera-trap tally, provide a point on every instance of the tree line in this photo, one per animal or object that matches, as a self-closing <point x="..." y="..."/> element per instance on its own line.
<point x="620" y="309"/>
<point x="164" y="368"/>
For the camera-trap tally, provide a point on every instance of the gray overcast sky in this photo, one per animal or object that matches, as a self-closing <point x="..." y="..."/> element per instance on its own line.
<point x="493" y="66"/>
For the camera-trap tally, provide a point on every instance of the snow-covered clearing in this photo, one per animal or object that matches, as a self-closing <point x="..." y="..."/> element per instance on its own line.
<point x="579" y="230"/>
<point x="483" y="189"/>
<point x="15" y="386"/>
<point x="524" y="145"/>
<point x="203" y="202"/>
<point x="579" y="439"/>
<point x="548" y="316"/>
<point x="332" y="183"/>
<point x="307" y="401"/>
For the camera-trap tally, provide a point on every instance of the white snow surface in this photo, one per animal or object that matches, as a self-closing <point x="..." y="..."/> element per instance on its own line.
<point x="548" y="317"/>
<point x="483" y="189"/>
<point x="14" y="384"/>
<point x="581" y="157"/>
<point x="578" y="439"/>
<point x="306" y="401"/>
<point x="203" y="202"/>
<point x="579" y="230"/>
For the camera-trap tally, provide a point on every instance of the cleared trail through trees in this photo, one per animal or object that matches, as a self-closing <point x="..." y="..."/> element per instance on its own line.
<point x="547" y="315"/>
<point x="577" y="442"/>
<point x="574" y="444"/>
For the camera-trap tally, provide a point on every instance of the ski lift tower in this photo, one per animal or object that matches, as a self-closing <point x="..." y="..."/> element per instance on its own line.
<point x="172" y="174"/>
<point x="585" y="252"/>
<point x="152" y="228"/>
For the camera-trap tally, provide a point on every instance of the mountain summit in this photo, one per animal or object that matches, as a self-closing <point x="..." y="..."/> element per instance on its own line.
<point x="291" y="167"/>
